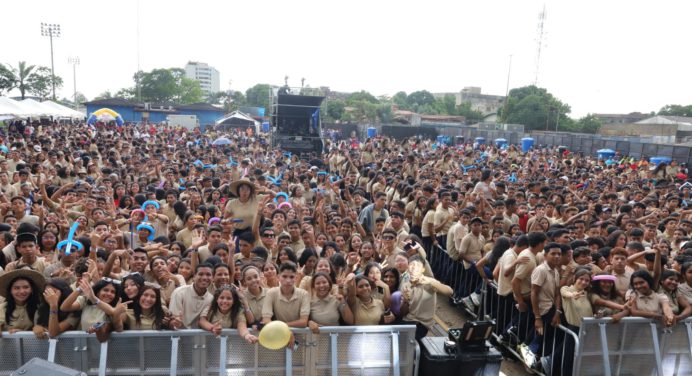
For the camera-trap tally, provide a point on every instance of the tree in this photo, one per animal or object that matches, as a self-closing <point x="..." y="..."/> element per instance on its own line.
<point x="535" y="108"/>
<point x="7" y="79"/>
<point x="419" y="99"/>
<point x="126" y="93"/>
<point x="105" y="95"/>
<point x="258" y="96"/>
<point x="335" y="109"/>
<point x="41" y="82"/>
<point x="159" y="85"/>
<point x="589" y="124"/>
<point x="399" y="99"/>
<point x="361" y="96"/>
<point x="472" y="116"/>
<point x="676" y="110"/>
<point x="22" y="74"/>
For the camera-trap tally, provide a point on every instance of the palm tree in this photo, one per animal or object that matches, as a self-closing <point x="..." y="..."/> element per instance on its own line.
<point x="22" y="74"/>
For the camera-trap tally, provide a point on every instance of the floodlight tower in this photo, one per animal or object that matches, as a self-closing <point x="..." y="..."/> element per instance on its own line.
<point x="51" y="31"/>
<point x="74" y="61"/>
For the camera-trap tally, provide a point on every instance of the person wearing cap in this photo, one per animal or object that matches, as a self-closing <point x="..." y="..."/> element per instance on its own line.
<point x="22" y="289"/>
<point x="26" y="244"/>
<point x="243" y="208"/>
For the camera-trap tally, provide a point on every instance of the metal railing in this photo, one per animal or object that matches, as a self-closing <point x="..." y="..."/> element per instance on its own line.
<point x="366" y="350"/>
<point x="634" y="346"/>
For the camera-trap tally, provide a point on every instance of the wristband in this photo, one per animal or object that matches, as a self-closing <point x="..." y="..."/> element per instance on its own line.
<point x="53" y="312"/>
<point x="97" y="301"/>
<point x="248" y="310"/>
<point x="79" y="289"/>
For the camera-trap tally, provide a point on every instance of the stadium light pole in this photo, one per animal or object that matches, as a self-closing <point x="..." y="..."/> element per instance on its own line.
<point x="51" y="31"/>
<point x="74" y="61"/>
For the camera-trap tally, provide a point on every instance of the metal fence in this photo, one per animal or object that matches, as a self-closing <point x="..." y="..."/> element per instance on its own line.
<point x="588" y="144"/>
<point x="351" y="350"/>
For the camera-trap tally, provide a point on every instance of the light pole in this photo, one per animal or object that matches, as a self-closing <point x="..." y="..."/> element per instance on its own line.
<point x="51" y="31"/>
<point x="74" y="61"/>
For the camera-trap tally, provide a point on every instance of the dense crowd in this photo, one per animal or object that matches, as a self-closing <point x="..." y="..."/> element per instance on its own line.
<point x="150" y="227"/>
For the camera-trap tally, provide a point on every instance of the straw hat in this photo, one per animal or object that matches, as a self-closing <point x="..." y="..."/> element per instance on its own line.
<point x="36" y="277"/>
<point x="236" y="184"/>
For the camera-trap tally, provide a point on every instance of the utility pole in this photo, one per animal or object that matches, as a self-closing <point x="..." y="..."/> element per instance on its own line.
<point x="539" y="42"/>
<point x="504" y="111"/>
<point x="74" y="61"/>
<point x="51" y="31"/>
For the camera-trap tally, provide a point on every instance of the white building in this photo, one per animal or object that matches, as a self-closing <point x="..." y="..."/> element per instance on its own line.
<point x="207" y="76"/>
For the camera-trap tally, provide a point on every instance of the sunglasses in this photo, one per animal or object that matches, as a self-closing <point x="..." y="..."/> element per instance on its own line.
<point x="268" y="235"/>
<point x="110" y="280"/>
<point x="387" y="237"/>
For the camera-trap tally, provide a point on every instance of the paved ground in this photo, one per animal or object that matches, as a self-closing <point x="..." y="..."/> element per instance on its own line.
<point x="450" y="317"/>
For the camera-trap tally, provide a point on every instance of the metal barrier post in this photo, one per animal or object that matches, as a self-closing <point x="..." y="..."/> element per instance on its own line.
<point x="334" y="353"/>
<point x="52" y="345"/>
<point x="289" y="362"/>
<point x="395" y="353"/>
<point x="174" y="355"/>
<point x="688" y="325"/>
<point x="657" y="349"/>
<point x="103" y="358"/>
<point x="223" y="343"/>
<point x="604" y="349"/>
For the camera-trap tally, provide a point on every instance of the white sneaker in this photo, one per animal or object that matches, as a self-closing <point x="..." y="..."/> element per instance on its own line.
<point x="468" y="303"/>
<point x="476" y="299"/>
<point x="528" y="355"/>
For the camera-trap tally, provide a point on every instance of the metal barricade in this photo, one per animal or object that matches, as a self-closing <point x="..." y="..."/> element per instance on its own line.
<point x="636" y="346"/>
<point x="366" y="350"/>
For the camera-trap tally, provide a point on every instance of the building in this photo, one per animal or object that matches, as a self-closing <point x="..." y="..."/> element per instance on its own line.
<point x="659" y="129"/>
<point x="133" y="111"/>
<point x="632" y="117"/>
<point x="208" y="77"/>
<point x="483" y="103"/>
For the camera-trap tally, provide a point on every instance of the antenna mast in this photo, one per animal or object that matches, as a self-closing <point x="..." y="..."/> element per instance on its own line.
<point x="539" y="42"/>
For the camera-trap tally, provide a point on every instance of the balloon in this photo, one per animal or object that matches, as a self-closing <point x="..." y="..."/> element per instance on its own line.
<point x="275" y="335"/>
<point x="395" y="302"/>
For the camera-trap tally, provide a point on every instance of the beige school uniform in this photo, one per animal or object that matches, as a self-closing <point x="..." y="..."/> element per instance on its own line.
<point x="245" y="211"/>
<point x="649" y="303"/>
<point x="325" y="311"/>
<point x="575" y="309"/>
<point x="523" y="271"/>
<point x="19" y="320"/>
<point x="286" y="309"/>
<point x="256" y="303"/>
<point x="504" y="284"/>
<point x="186" y="303"/>
<point x="146" y="321"/>
<point x="368" y="314"/>
<point x="549" y="280"/>
<point x="91" y="314"/>
<point x="422" y="304"/>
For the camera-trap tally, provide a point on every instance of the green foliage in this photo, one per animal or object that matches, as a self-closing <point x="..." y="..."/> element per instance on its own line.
<point x="258" y="96"/>
<point x="535" y="108"/>
<point x="335" y="109"/>
<point x="105" y="95"/>
<point x="361" y="96"/>
<point x="472" y="116"/>
<point x="164" y="86"/>
<point x="40" y="82"/>
<point x="589" y="124"/>
<point x="676" y="110"/>
<point x="7" y="79"/>
<point x="422" y="101"/>
<point x="399" y="99"/>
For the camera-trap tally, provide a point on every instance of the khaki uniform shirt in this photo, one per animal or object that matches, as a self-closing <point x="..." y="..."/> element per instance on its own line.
<point x="187" y="304"/>
<point x="278" y="307"/>
<point x="549" y="281"/>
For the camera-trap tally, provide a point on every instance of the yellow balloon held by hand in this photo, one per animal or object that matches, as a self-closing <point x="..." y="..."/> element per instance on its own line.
<point x="275" y="335"/>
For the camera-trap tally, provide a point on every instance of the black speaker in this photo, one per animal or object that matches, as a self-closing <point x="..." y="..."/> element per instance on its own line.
<point x="42" y="367"/>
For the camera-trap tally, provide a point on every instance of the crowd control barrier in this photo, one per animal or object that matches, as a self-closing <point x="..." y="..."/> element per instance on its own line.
<point x="634" y="346"/>
<point x="347" y="350"/>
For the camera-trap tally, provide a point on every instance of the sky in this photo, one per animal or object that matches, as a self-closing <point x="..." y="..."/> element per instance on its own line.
<point x="598" y="56"/>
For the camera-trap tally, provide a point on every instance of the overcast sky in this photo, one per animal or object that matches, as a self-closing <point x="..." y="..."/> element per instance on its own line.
<point x="598" y="56"/>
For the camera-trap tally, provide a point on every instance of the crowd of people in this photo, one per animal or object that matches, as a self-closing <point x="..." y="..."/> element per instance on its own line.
<point x="151" y="227"/>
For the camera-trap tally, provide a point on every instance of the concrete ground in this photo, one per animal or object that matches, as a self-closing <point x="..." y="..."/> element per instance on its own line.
<point x="449" y="316"/>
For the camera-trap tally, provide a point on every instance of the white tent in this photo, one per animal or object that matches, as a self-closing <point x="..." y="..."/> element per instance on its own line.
<point x="38" y="109"/>
<point x="9" y="106"/>
<point x="64" y="110"/>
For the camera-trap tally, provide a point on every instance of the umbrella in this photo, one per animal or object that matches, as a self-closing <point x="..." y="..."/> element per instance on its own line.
<point x="221" y="141"/>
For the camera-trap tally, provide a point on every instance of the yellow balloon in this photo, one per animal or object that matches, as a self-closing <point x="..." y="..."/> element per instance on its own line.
<point x="275" y="335"/>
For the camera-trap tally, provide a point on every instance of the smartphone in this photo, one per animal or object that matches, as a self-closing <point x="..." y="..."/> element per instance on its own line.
<point x="98" y="325"/>
<point x="236" y="220"/>
<point x="380" y="290"/>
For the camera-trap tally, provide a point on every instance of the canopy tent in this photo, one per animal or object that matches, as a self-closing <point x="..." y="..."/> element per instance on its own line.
<point x="237" y="119"/>
<point x="9" y="106"/>
<point x="64" y="110"/>
<point x="38" y="109"/>
<point x="33" y="108"/>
